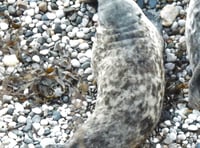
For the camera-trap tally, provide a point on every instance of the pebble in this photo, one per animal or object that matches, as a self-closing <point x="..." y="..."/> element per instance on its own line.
<point x="74" y="43"/>
<point x="75" y="63"/>
<point x="37" y="110"/>
<point x="50" y="15"/>
<point x="21" y="119"/>
<point x="3" y="126"/>
<point x="36" y="58"/>
<point x="192" y="128"/>
<point x="11" y="1"/>
<point x="10" y="60"/>
<point x="47" y="141"/>
<point x="167" y="16"/>
<point x="42" y="6"/>
<point x="36" y="126"/>
<point x="83" y="46"/>
<point x="3" y="26"/>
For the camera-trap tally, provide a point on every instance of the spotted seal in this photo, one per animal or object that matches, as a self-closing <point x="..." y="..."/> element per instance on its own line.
<point x="127" y="61"/>
<point x="192" y="33"/>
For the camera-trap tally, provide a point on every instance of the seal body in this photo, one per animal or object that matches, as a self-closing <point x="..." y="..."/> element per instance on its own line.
<point x="127" y="62"/>
<point x="193" y="49"/>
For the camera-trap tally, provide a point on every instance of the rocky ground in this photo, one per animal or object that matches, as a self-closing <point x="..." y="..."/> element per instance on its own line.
<point x="47" y="86"/>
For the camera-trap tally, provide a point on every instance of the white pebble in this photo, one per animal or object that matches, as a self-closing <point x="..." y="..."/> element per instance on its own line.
<point x="55" y="37"/>
<point x="90" y="78"/>
<point x="36" y="58"/>
<point x="88" y="70"/>
<point x="3" y="26"/>
<point x="30" y="12"/>
<point x="51" y="16"/>
<point x="47" y="141"/>
<point x="21" y="119"/>
<point x="75" y="63"/>
<point x="168" y="123"/>
<point x="80" y="34"/>
<point x="12" y="135"/>
<point x="3" y="126"/>
<point x="192" y="128"/>
<point x="36" y="126"/>
<point x="11" y="1"/>
<point x="44" y="51"/>
<point x="60" y="13"/>
<point x="95" y="17"/>
<point x="10" y="60"/>
<point x="19" y="107"/>
<point x="44" y="122"/>
<point x="74" y="43"/>
<point x="192" y="116"/>
<point x="181" y="137"/>
<point x="28" y="19"/>
<point x="88" y="53"/>
<point x="37" y="110"/>
<point x="83" y="46"/>
<point x="3" y="111"/>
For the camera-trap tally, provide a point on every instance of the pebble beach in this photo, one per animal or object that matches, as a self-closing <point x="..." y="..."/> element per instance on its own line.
<point x="47" y="88"/>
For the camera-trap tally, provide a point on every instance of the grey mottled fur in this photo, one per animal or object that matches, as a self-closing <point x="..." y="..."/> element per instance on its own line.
<point x="193" y="48"/>
<point x="127" y="62"/>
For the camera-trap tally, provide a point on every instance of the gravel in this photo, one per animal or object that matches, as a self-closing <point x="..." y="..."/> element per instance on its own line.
<point x="46" y="49"/>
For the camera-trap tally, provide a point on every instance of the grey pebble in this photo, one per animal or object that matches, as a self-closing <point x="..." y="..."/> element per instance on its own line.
<point x="56" y="115"/>
<point x="36" y="118"/>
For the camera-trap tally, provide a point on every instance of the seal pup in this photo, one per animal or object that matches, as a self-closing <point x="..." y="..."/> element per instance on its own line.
<point x="192" y="32"/>
<point x="127" y="62"/>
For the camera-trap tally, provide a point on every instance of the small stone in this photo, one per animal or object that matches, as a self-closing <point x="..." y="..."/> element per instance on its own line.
<point x="36" y="118"/>
<point x="88" y="53"/>
<point x="36" y="126"/>
<point x="55" y="37"/>
<point x="27" y="139"/>
<point x="60" y="13"/>
<point x="36" y="58"/>
<point x="84" y="22"/>
<point x="30" y="12"/>
<point x="21" y="119"/>
<point x="56" y="115"/>
<point x="10" y="60"/>
<point x="3" y="126"/>
<point x="7" y="98"/>
<point x="90" y="78"/>
<point x="44" y="122"/>
<point x="50" y="16"/>
<point x="37" y="110"/>
<point x="171" y="57"/>
<point x="57" y="29"/>
<point x="83" y="46"/>
<point x="167" y="16"/>
<point x="170" y="66"/>
<point x="47" y="141"/>
<point x="43" y="6"/>
<point x="75" y="63"/>
<point x="95" y="17"/>
<point x="152" y="3"/>
<point x="181" y="137"/>
<point x="88" y="70"/>
<point x="80" y="34"/>
<point x="11" y="1"/>
<point x="44" y="51"/>
<point x="28" y="19"/>
<point x="192" y="128"/>
<point x="19" y="108"/>
<point x="74" y="43"/>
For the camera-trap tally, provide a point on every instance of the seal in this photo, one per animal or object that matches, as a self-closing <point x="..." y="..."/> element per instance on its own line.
<point x="192" y="32"/>
<point x="127" y="62"/>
